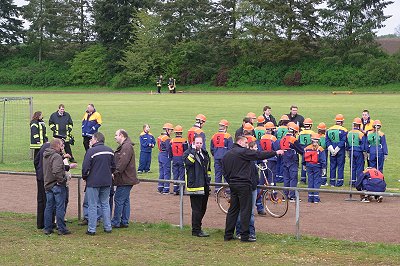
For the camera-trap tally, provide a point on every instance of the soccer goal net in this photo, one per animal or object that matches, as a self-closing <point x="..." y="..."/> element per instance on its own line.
<point x="15" y="116"/>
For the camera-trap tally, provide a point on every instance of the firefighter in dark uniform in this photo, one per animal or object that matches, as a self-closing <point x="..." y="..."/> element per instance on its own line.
<point x="198" y="171"/>
<point x="38" y="132"/>
<point x="159" y="83"/>
<point x="61" y="124"/>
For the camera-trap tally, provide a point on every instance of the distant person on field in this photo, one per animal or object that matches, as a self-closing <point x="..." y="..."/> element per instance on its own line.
<point x="372" y="180"/>
<point x="124" y="179"/>
<point x="61" y="124"/>
<point x="91" y="122"/>
<point x="97" y="170"/>
<point x="172" y="85"/>
<point x="159" y="83"/>
<point x="38" y="132"/>
<point x="147" y="143"/>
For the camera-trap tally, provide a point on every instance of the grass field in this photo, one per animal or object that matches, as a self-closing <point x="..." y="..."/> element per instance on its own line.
<point x="131" y="110"/>
<point x="155" y="244"/>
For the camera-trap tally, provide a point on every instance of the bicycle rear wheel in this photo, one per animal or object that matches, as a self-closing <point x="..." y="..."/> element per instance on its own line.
<point x="223" y="199"/>
<point x="275" y="203"/>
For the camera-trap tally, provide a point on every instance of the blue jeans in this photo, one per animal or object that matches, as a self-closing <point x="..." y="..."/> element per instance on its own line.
<point x="122" y="209"/>
<point x="55" y="199"/>
<point x="252" y="227"/>
<point x="96" y="196"/>
<point x="85" y="206"/>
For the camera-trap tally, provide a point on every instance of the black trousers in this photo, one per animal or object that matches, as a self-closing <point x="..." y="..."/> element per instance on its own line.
<point x="86" y="141"/>
<point x="241" y="199"/>
<point x="199" y="207"/>
<point x="67" y="148"/>
<point x="41" y="204"/>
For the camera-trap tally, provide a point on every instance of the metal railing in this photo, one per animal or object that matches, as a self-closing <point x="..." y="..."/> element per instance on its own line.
<point x="181" y="194"/>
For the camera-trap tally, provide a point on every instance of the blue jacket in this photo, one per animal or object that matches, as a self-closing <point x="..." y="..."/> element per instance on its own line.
<point x="98" y="166"/>
<point x="147" y="142"/>
<point x="91" y="123"/>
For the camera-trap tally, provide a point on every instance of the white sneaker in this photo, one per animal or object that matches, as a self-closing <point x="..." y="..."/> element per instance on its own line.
<point x="380" y="199"/>
<point x="365" y="200"/>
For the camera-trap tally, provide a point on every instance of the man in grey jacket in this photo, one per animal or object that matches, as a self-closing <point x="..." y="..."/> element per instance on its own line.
<point x="55" y="186"/>
<point x="125" y="177"/>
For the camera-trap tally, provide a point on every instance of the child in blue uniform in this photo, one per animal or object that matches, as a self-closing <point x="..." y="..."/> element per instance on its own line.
<point x="178" y="146"/>
<point x="355" y="148"/>
<point x="314" y="162"/>
<point x="165" y="158"/>
<point x="376" y="146"/>
<point x="221" y="143"/>
<point x="336" y="137"/>
<point x="147" y="143"/>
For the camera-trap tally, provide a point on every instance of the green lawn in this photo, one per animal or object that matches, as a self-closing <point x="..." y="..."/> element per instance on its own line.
<point x="131" y="110"/>
<point x="155" y="244"/>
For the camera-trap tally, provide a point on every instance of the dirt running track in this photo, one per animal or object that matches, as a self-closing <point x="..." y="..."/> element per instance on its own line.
<point x="333" y="218"/>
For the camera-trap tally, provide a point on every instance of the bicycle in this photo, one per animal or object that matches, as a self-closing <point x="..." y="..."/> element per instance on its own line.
<point x="275" y="201"/>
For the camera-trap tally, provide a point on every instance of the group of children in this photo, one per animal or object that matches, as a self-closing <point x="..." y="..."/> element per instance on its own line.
<point x="313" y="148"/>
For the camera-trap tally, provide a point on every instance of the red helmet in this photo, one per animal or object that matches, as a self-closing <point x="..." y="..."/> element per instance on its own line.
<point x="224" y="122"/>
<point x="307" y="121"/>
<point x="201" y="117"/>
<point x="339" y="117"/>
<point x="293" y="126"/>
<point x="248" y="127"/>
<point x="168" y="126"/>
<point x="260" y="119"/>
<point x="357" y="121"/>
<point x="269" y="125"/>
<point x="321" y="126"/>
<point x="178" y="128"/>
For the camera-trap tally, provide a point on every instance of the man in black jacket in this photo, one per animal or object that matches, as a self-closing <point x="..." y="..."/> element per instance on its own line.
<point x="295" y="117"/>
<point x="268" y="116"/>
<point x="61" y="124"/>
<point x="198" y="169"/>
<point x="237" y="170"/>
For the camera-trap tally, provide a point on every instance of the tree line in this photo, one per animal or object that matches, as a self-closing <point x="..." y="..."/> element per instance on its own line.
<point x="220" y="42"/>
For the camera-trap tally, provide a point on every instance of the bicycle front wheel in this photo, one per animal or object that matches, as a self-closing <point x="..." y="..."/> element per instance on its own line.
<point x="275" y="203"/>
<point x="223" y="199"/>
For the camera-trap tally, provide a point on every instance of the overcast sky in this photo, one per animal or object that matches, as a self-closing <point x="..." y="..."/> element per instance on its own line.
<point x="390" y="24"/>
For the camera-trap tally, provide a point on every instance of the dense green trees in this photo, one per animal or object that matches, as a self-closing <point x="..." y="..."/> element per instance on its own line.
<point x="224" y="42"/>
